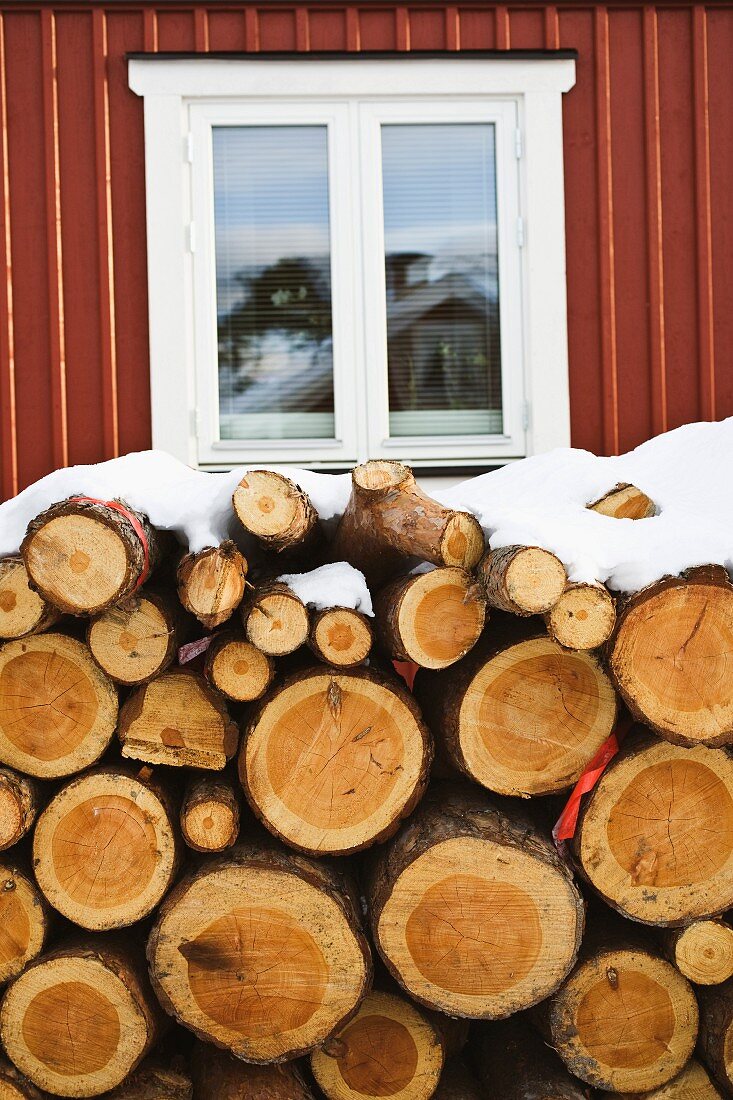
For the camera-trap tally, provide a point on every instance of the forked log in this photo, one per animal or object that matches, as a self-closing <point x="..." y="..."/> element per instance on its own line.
<point x="218" y="1075"/>
<point x="583" y="618"/>
<point x="457" y="1082"/>
<point x="515" y="1064"/>
<point x="332" y="761"/>
<point x="139" y="639"/>
<point x="624" y="501"/>
<point x="211" y="583"/>
<point x="19" y="805"/>
<point x="523" y="580"/>
<point x="24" y="922"/>
<point x="716" y="1032"/>
<point x="238" y="669"/>
<point x="260" y="951"/>
<point x="340" y="636"/>
<point x="702" y="951"/>
<point x="154" y="1080"/>
<point x="276" y="510"/>
<point x="210" y="814"/>
<point x="275" y="620"/>
<point x="22" y="611"/>
<point x="693" y="1083"/>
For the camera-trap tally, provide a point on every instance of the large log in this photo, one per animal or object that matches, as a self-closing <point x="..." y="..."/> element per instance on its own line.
<point x="655" y="836"/>
<point x="520" y="714"/>
<point x="702" y="951"/>
<point x="672" y="657"/>
<point x="238" y="669"/>
<point x="624" y="501"/>
<point x="24" y="921"/>
<point x="210" y="814"/>
<point x="340" y="636"/>
<point x="332" y="761"/>
<point x="154" y="1080"/>
<point x="104" y="849"/>
<point x="139" y="639"/>
<point x="22" y="611"/>
<point x="716" y="1032"/>
<point x="515" y="1064"/>
<point x="694" y="1083"/>
<point x="58" y="710"/>
<point x="523" y="580"/>
<point x="260" y="951"/>
<point x="19" y="805"/>
<point x="275" y="510"/>
<point x="472" y="909"/>
<point x="458" y="1083"/>
<point x="584" y="617"/>
<point x="218" y="1075"/>
<point x="211" y="583"/>
<point x="275" y="620"/>
<point x="85" y="555"/>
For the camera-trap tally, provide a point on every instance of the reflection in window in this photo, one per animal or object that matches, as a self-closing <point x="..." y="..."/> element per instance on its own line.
<point x="273" y="282"/>
<point x="444" y="357"/>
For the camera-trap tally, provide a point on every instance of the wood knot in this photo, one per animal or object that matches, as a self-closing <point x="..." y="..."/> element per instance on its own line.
<point x="79" y="561"/>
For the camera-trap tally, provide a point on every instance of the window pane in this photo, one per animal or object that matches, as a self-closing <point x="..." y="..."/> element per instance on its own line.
<point x="444" y="354"/>
<point x="273" y="282"/>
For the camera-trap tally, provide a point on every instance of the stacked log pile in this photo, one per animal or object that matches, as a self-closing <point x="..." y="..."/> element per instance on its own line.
<point x="256" y="849"/>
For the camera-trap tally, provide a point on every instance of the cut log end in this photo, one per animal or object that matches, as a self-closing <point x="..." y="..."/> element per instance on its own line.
<point x="211" y="583"/>
<point x="583" y="618"/>
<point x="274" y="508"/>
<point x="210" y="815"/>
<point x="238" y="669"/>
<point x="523" y="580"/>
<point x="341" y="636"/>
<point x="136" y="641"/>
<point x="462" y="542"/>
<point x="24" y="924"/>
<point x="624" y="502"/>
<point x="275" y="620"/>
<point x="694" y="1083"/>
<point x="19" y="805"/>
<point x="22" y="611"/>
<point x="703" y="951"/>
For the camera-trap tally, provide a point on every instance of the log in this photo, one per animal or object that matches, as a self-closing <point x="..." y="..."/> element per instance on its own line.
<point x="583" y="618"/>
<point x="340" y="636"/>
<point x="703" y="951"/>
<point x="210" y="814"/>
<point x="275" y="620"/>
<point x="58" y="710"/>
<point x="22" y="611"/>
<point x="84" y="555"/>
<point x="655" y="836"/>
<point x="178" y="719"/>
<point x="624" y="501"/>
<point x="671" y="657"/>
<point x="471" y="909"/>
<point x="260" y="952"/>
<point x="81" y="1017"/>
<point x="138" y="640"/>
<point x="458" y="1083"/>
<point x="716" y="1032"/>
<point x="238" y="669"/>
<point x="513" y="1063"/>
<point x="520" y="714"/>
<point x="694" y="1083"/>
<point x="211" y="583"/>
<point x="523" y="580"/>
<point x="431" y="618"/>
<point x="276" y="510"/>
<point x="154" y="1080"/>
<point x="19" y="804"/>
<point x="24" y="921"/>
<point x="104" y="849"/>
<point x="14" y="1086"/>
<point x="389" y="519"/>
<point x="218" y="1075"/>
<point x="332" y="761"/>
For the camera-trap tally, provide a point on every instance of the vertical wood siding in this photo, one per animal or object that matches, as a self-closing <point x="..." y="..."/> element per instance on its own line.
<point x="649" y="175"/>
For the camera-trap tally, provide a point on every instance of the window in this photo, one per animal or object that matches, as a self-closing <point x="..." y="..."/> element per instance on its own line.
<point x="355" y="259"/>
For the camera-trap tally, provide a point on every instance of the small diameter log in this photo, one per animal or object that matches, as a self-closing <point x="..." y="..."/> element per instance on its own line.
<point x="655" y="836"/>
<point x="210" y="814"/>
<point x="83" y="556"/>
<point x="275" y="510"/>
<point x="24" y="922"/>
<point x="104" y="849"/>
<point x="694" y="1083"/>
<point x="218" y="1075"/>
<point x="138" y="640"/>
<point x="523" y="580"/>
<point x="152" y="1080"/>
<point x="515" y="1064"/>
<point x="672" y="657"/>
<point x="211" y="583"/>
<point x="332" y="761"/>
<point x="340" y="636"/>
<point x="703" y="951"/>
<point x="458" y="868"/>
<point x="520" y="714"/>
<point x="431" y="618"/>
<point x="716" y="1032"/>
<point x="457" y="1082"/>
<point x="583" y="618"/>
<point x="178" y="719"/>
<point x="260" y="951"/>
<point x="80" y="1018"/>
<point x="58" y="710"/>
<point x="624" y="501"/>
<point x="22" y="611"/>
<point x="237" y="669"/>
<point x="19" y="805"/>
<point x="275" y="620"/>
<point x="389" y="519"/>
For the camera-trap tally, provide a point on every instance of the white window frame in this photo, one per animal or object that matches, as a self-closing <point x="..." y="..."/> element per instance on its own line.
<point x="183" y="97"/>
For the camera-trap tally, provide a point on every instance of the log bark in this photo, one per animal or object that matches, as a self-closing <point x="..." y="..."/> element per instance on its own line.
<point x="520" y="714"/>
<point x="238" y="669"/>
<point x="694" y="1083"/>
<point x="260" y="951"/>
<point x="276" y="510"/>
<point x="24" y="921"/>
<point x="83" y="556"/>
<point x="332" y="761"/>
<point x="514" y="1063"/>
<point x="340" y="636"/>
<point x="14" y="1086"/>
<point x="154" y="1080"/>
<point x="457" y="1082"/>
<point x="211" y="583"/>
<point x="624" y="501"/>
<point x="459" y="866"/>
<point x="275" y="620"/>
<point x="672" y="657"/>
<point x="210" y="814"/>
<point x="218" y="1075"/>
<point x="389" y="519"/>
<point x="80" y="1018"/>
<point x="139" y="639"/>
<point x="523" y="580"/>
<point x="20" y="799"/>
<point x="583" y="618"/>
<point x="105" y="849"/>
<point x="702" y="951"/>
<point x="58" y="710"/>
<point x="655" y="836"/>
<point x="22" y="611"/>
<point x="716" y="1032"/>
<point x="431" y="618"/>
<point x="178" y="719"/>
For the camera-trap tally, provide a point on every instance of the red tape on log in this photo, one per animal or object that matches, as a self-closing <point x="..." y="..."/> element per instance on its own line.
<point x="134" y="523"/>
<point x="568" y="820"/>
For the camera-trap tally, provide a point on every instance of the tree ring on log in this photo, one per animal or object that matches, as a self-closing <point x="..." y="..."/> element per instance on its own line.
<point x="703" y="952"/>
<point x="23" y="922"/>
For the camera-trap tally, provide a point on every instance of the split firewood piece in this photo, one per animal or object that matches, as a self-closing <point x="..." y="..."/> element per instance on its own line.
<point x="275" y="619"/>
<point x="81" y="1017"/>
<point x="332" y="761"/>
<point x="24" y="922"/>
<point x="85" y="555"/>
<point x="672" y="657"/>
<point x="389" y="518"/>
<point x="58" y="710"/>
<point x="260" y="951"/>
<point x="22" y="611"/>
<point x="275" y="510"/>
<point x="694" y="1083"/>
<point x="655" y="836"/>
<point x="457" y="1082"/>
<point x="104" y="849"/>
<point x="514" y="1063"/>
<point x="210" y="814"/>
<point x="461" y="866"/>
<point x="624" y="501"/>
<point x="523" y="580"/>
<point x="520" y="714"/>
<point x="340" y="636"/>
<point x="218" y="1075"/>
<point x="703" y="951"/>
<point x="19" y="804"/>
<point x="431" y="618"/>
<point x="14" y="1086"/>
<point x="211" y="583"/>
<point x="178" y="719"/>
<point x="238" y="669"/>
<point x="583" y="618"/>
<point x="716" y="1031"/>
<point x="154" y="1080"/>
<point x="134" y="642"/>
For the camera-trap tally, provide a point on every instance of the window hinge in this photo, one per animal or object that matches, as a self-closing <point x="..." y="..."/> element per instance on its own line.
<point x="189" y="147"/>
<point x="192" y="236"/>
<point x="518" y="143"/>
<point x="525" y="415"/>
<point x="520" y="232"/>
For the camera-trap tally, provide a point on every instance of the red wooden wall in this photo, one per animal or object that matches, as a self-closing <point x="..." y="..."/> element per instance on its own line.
<point x="649" y="186"/>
